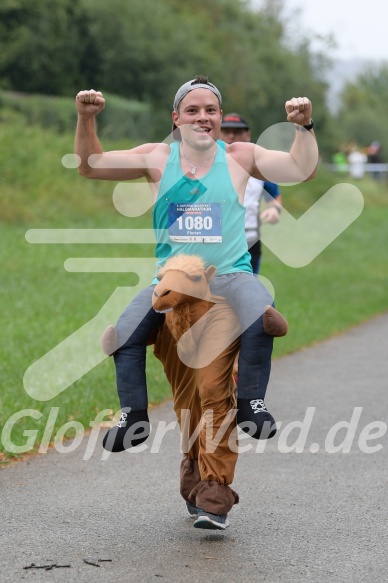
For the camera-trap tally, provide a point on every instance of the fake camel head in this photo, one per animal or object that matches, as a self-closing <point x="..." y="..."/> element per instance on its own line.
<point x="183" y="291"/>
<point x="183" y="294"/>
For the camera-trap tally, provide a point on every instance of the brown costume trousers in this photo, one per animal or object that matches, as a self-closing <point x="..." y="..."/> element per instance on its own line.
<point x="205" y="403"/>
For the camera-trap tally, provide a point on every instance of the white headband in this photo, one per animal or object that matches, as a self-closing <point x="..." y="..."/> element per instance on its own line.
<point x="189" y="86"/>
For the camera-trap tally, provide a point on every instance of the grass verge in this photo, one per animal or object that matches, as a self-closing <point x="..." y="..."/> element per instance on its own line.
<point x="43" y="304"/>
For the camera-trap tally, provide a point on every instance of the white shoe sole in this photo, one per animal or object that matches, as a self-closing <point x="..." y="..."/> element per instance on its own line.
<point x="206" y="522"/>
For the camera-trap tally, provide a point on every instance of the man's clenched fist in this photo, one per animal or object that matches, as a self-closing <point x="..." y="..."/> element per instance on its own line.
<point x="89" y="102"/>
<point x="299" y="110"/>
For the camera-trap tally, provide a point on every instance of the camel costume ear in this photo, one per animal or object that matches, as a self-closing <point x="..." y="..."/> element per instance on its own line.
<point x="210" y="272"/>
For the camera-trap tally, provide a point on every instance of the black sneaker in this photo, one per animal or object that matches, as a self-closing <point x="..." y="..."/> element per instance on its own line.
<point x="211" y="521"/>
<point x="254" y="418"/>
<point x="192" y="510"/>
<point x="123" y="435"/>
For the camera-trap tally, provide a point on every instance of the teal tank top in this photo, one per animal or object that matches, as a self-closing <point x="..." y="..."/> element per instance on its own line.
<point x="201" y="216"/>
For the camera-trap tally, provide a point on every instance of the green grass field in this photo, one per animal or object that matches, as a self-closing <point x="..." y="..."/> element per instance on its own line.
<point x="43" y="303"/>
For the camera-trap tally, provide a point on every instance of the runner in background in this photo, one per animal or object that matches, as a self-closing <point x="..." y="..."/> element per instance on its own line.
<point x="235" y="128"/>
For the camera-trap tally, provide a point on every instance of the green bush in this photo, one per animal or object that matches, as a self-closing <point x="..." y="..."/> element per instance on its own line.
<point x="122" y="119"/>
<point x="47" y="112"/>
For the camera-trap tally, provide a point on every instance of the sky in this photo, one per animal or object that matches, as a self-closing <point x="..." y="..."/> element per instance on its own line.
<point x="359" y="27"/>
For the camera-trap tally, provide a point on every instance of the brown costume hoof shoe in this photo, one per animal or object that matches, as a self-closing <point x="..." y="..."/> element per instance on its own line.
<point x="274" y="323"/>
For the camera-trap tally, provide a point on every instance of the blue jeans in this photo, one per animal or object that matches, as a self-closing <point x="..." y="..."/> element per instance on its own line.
<point x="133" y="328"/>
<point x="247" y="296"/>
<point x="243" y="292"/>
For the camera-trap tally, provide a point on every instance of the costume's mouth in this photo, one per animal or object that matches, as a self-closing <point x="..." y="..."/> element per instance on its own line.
<point x="164" y="311"/>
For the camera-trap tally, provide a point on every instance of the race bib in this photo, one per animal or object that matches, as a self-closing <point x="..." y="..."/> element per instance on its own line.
<point x="195" y="222"/>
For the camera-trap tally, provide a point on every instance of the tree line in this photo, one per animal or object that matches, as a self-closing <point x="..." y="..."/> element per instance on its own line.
<point x="144" y="50"/>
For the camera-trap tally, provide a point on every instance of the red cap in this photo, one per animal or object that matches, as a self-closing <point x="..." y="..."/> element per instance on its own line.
<point x="234" y="120"/>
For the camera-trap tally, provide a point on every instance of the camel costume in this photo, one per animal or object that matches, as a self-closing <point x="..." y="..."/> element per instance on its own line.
<point x="197" y="345"/>
<point x="192" y="334"/>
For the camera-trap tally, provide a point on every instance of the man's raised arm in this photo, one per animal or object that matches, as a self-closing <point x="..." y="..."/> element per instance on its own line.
<point x="94" y="162"/>
<point x="300" y="163"/>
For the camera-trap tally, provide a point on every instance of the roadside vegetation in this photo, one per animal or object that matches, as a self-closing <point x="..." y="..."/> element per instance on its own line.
<point x="258" y="57"/>
<point x="43" y="303"/>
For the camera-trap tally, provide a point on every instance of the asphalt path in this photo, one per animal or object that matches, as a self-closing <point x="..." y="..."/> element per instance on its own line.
<point x="313" y="500"/>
